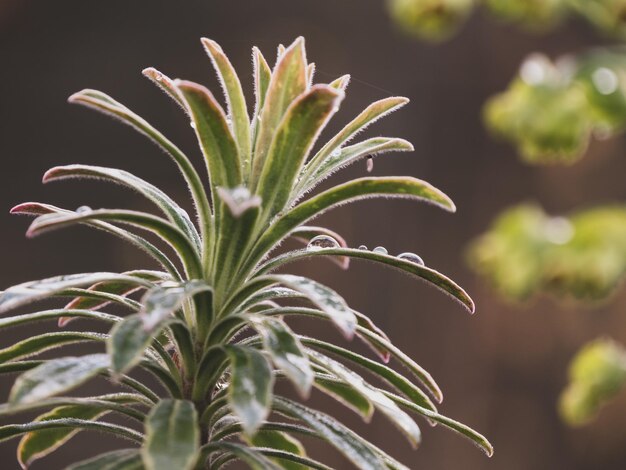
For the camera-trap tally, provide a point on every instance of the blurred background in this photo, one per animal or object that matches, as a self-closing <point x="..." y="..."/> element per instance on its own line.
<point x="501" y="370"/>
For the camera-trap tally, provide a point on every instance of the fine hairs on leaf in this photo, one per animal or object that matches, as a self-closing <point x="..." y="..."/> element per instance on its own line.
<point x="209" y="397"/>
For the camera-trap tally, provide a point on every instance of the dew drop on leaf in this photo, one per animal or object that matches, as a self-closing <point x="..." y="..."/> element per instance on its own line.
<point x="380" y="249"/>
<point x="322" y="241"/>
<point x="192" y="124"/>
<point x="83" y="210"/>
<point x="412" y="257"/>
<point x="158" y="77"/>
<point x="335" y="153"/>
<point x="362" y="247"/>
<point x="369" y="164"/>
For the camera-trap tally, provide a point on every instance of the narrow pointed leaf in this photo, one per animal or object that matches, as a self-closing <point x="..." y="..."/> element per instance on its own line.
<point x="250" y="390"/>
<point x="23" y="294"/>
<point x="171" y="209"/>
<point x="56" y="376"/>
<point x="107" y="105"/>
<point x="176" y="238"/>
<point x="129" y="340"/>
<point x="368" y="116"/>
<point x="252" y="457"/>
<point x="382" y="403"/>
<point x="460" y="428"/>
<point x="290" y="146"/>
<point x="363" y="188"/>
<point x="349" y="155"/>
<point x="381" y="371"/>
<point x="126" y="459"/>
<point x="161" y="302"/>
<point x="345" y="394"/>
<point x="325" y="298"/>
<point x="11" y="431"/>
<point x="334" y="432"/>
<point x="288" y="81"/>
<point x="280" y="441"/>
<point x="59" y="314"/>
<point x="419" y="271"/>
<point x="36" y="208"/>
<point x="235" y="98"/>
<point x="286" y="352"/>
<point x="36" y="445"/>
<point x="214" y="136"/>
<point x="172" y="436"/>
<point x="40" y="343"/>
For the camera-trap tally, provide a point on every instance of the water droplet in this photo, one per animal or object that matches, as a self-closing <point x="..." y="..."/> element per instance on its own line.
<point x="158" y="77"/>
<point x="322" y="241"/>
<point x="336" y="153"/>
<point x="535" y="69"/>
<point x="559" y="230"/>
<point x="380" y="249"/>
<point x="412" y="257"/>
<point x="362" y="247"/>
<point x="192" y="124"/>
<point x="83" y="210"/>
<point x="605" y="80"/>
<point x="369" y="164"/>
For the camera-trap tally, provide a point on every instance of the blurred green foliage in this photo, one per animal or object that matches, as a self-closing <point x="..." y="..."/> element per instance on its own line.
<point x="551" y="109"/>
<point x="434" y="20"/>
<point x="597" y="373"/>
<point x="440" y="19"/>
<point x="527" y="252"/>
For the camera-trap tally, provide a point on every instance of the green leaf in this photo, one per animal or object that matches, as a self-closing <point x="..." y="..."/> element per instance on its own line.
<point x="381" y="371"/>
<point x="252" y="457"/>
<point x="28" y="292"/>
<point x="214" y="136"/>
<point x="235" y="98"/>
<point x="36" y="208"/>
<point x="126" y="459"/>
<point x="172" y="436"/>
<point x="45" y="342"/>
<point x="13" y="430"/>
<point x="129" y="340"/>
<point x="280" y="441"/>
<point x="382" y="403"/>
<point x="57" y="314"/>
<point x="176" y="214"/>
<point x="182" y="245"/>
<point x="339" y="436"/>
<point x="103" y="103"/>
<point x="56" y="376"/>
<point x="288" y="81"/>
<point x="286" y="352"/>
<point x="399" y="187"/>
<point x="368" y="116"/>
<point x="325" y="298"/>
<point x="349" y="155"/>
<point x="345" y="394"/>
<point x="38" y="444"/>
<point x="419" y="271"/>
<point x="303" y="121"/>
<point x="475" y="437"/>
<point x="161" y="302"/>
<point x="250" y="389"/>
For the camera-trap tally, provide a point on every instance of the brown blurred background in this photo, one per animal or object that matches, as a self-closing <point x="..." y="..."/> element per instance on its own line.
<point x="501" y="370"/>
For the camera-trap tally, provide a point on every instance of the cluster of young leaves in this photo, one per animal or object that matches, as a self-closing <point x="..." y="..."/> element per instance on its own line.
<point x="210" y="323"/>
<point x="597" y="374"/>
<point x="440" y="19"/>
<point x="526" y="252"/>
<point x="552" y="109"/>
